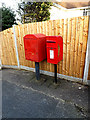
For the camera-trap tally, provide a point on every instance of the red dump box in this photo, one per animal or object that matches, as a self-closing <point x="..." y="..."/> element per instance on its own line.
<point x="35" y="47"/>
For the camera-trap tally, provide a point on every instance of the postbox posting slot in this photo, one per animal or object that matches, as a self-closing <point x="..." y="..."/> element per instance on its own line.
<point x="51" y="42"/>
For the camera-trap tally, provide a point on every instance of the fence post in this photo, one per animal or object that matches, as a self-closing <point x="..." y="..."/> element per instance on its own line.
<point x="15" y="40"/>
<point x="0" y="64"/>
<point x="86" y="69"/>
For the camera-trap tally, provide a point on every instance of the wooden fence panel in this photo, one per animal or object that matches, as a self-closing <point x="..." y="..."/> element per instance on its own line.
<point x="8" y="48"/>
<point x="74" y="32"/>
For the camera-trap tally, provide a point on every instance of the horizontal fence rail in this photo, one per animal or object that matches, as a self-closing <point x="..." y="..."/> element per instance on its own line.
<point x="74" y="32"/>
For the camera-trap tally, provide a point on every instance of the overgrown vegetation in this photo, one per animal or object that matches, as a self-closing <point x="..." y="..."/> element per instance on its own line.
<point x="8" y="18"/>
<point x="34" y="11"/>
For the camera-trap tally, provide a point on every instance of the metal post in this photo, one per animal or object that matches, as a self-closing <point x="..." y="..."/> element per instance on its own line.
<point x="37" y="70"/>
<point x="0" y="64"/>
<point x="55" y="68"/>
<point x="87" y="61"/>
<point x="15" y="40"/>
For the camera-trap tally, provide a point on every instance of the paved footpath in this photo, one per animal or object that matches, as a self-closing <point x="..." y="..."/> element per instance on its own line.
<point x="25" y="97"/>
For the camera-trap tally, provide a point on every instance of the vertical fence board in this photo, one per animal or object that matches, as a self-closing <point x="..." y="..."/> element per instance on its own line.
<point x="44" y="62"/>
<point x="10" y="36"/>
<point x="18" y="30"/>
<point x="84" y="41"/>
<point x="76" y="46"/>
<point x="47" y="33"/>
<point x="61" y="30"/>
<point x="72" y="48"/>
<point x="23" y="31"/>
<point x="32" y="32"/>
<point x="19" y="44"/>
<point x="7" y="36"/>
<point x="29" y="32"/>
<point x="49" y="26"/>
<point x="74" y="40"/>
<point x="64" y="47"/>
<point x="80" y="47"/>
<point x="52" y="26"/>
<point x="68" y="46"/>
<point x="78" y="61"/>
<point x="8" y="47"/>
<point x="3" y="49"/>
<point x="58" y="33"/>
<point x="52" y="34"/>
<point x="41" y="31"/>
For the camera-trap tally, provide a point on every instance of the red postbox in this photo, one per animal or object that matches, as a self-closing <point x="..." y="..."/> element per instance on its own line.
<point x="54" y="46"/>
<point x="35" y="47"/>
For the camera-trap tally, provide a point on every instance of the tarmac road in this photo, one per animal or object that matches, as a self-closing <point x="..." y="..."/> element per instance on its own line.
<point x="24" y="97"/>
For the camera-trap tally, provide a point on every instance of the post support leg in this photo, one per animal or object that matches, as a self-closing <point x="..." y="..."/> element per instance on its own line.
<point x="37" y="70"/>
<point x="55" y="68"/>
